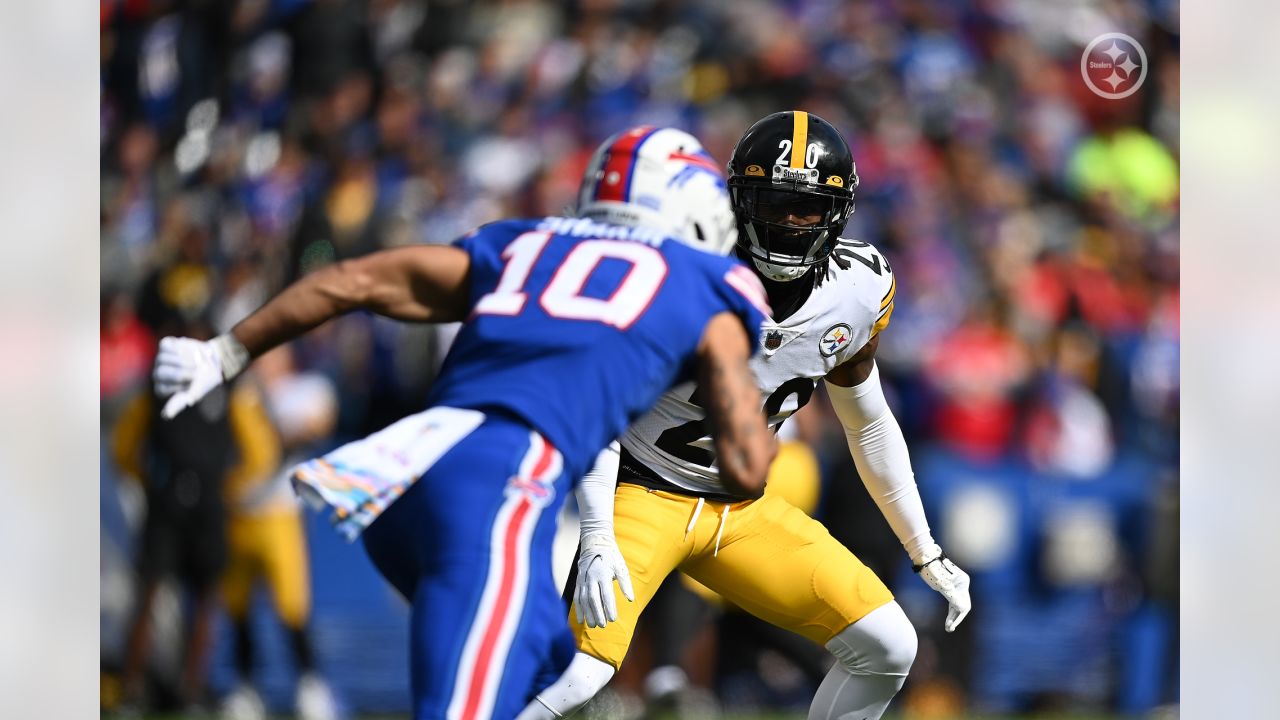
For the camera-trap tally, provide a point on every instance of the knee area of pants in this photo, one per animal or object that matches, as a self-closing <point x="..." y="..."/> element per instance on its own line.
<point x="882" y="643"/>
<point x="900" y="653"/>
<point x="897" y="638"/>
<point x="892" y="654"/>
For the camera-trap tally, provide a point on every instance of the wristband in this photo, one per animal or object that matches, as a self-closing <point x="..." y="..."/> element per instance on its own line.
<point x="928" y="556"/>
<point x="232" y="354"/>
<point x="923" y="565"/>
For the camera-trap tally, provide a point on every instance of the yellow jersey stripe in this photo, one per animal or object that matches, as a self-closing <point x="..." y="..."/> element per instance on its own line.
<point x="888" y="297"/>
<point x="799" y="137"/>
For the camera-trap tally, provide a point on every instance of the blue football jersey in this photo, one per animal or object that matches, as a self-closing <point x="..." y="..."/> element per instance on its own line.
<point x="576" y="327"/>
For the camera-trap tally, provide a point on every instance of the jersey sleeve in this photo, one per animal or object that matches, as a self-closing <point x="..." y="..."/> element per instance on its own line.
<point x="747" y="298"/>
<point x="877" y="295"/>
<point x="485" y="245"/>
<point x="886" y="304"/>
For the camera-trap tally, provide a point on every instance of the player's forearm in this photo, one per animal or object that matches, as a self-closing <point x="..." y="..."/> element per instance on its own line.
<point x="321" y="296"/>
<point x="880" y="453"/>
<point x="595" y="493"/>
<point x="419" y="283"/>
<point x="744" y="446"/>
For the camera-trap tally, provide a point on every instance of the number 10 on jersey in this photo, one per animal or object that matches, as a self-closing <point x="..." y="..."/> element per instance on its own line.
<point x="562" y="297"/>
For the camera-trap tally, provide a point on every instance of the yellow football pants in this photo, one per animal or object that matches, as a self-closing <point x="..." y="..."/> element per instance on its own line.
<point x="272" y="546"/>
<point x="772" y="561"/>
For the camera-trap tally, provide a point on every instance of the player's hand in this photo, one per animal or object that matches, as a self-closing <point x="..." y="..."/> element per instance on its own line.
<point x="951" y="582"/>
<point x="599" y="564"/>
<point x="186" y="369"/>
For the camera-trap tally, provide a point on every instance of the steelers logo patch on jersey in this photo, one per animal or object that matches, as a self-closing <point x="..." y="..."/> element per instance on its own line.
<point x="834" y="339"/>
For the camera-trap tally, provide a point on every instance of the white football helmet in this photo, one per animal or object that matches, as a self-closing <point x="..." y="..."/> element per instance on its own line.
<point x="660" y="178"/>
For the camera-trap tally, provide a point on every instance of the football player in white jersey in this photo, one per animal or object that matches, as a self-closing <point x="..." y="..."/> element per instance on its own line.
<point x="792" y="179"/>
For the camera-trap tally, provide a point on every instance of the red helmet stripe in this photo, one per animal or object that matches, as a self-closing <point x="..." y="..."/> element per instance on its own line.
<point x="615" y="180"/>
<point x="700" y="159"/>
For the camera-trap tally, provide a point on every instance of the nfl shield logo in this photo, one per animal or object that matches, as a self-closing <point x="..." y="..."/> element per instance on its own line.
<point x="772" y="340"/>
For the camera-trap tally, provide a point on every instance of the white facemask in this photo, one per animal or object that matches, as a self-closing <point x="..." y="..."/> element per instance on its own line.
<point x="779" y="273"/>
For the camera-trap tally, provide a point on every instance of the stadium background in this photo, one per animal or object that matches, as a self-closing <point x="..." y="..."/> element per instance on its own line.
<point x="1032" y="358"/>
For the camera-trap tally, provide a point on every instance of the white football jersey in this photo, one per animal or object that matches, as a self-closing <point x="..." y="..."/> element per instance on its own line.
<point x="850" y="306"/>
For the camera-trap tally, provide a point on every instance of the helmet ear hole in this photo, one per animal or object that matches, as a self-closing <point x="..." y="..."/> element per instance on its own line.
<point x="697" y="230"/>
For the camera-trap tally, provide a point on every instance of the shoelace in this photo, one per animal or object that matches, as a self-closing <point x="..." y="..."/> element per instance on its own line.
<point x="724" y="519"/>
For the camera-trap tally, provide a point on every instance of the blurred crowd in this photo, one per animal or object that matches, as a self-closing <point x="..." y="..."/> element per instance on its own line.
<point x="1032" y="224"/>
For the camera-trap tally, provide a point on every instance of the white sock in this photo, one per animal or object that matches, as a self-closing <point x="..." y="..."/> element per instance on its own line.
<point x="874" y="656"/>
<point x="584" y="677"/>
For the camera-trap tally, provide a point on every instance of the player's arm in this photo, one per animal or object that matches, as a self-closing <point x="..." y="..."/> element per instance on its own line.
<point x="878" y="447"/>
<point x="600" y="561"/>
<point x="880" y="453"/>
<point x="744" y="446"/>
<point x="422" y="283"/>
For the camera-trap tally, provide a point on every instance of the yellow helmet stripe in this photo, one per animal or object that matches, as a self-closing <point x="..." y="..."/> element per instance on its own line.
<point x="799" y="137"/>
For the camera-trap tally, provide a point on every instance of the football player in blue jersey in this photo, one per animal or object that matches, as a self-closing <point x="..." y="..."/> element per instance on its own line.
<point x="573" y="327"/>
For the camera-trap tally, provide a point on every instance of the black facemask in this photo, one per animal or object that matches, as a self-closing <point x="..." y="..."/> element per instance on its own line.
<point x="786" y="227"/>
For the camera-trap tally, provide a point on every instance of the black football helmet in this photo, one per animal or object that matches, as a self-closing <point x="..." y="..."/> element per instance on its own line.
<point x="791" y="179"/>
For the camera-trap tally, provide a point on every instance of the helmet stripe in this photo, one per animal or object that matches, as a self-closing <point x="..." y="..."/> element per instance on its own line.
<point x="699" y="158"/>
<point x="799" y="137"/>
<point x="615" y="180"/>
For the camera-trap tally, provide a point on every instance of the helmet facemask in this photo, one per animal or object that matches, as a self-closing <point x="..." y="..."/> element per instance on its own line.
<point x="792" y="179"/>
<point x="787" y="230"/>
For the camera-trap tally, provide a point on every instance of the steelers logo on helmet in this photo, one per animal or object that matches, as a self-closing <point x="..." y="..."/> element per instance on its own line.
<point x="791" y="179"/>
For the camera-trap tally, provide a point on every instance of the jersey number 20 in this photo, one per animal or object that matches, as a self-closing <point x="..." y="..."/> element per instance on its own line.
<point x="679" y="441"/>
<point x="562" y="297"/>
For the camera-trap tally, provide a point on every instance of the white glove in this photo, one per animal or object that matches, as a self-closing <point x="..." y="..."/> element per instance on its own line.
<point x="951" y="582"/>
<point x="188" y="369"/>
<point x="599" y="564"/>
